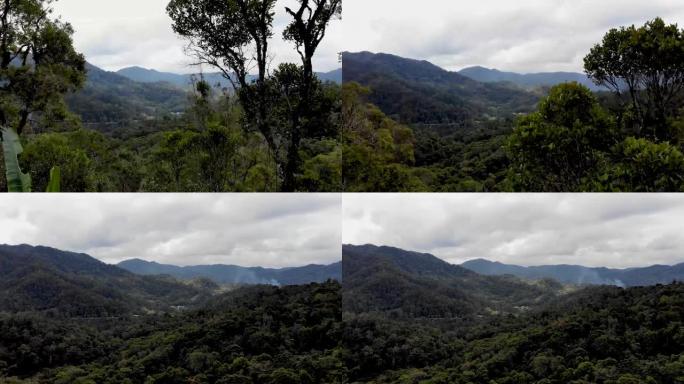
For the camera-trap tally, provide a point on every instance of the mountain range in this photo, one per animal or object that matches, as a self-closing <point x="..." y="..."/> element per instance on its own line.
<point x="184" y="81"/>
<point x="232" y="274"/>
<point x="419" y="92"/>
<point x="75" y="284"/>
<point x="109" y="98"/>
<point x="43" y="279"/>
<point x="112" y="99"/>
<point x="528" y="80"/>
<point x="575" y="274"/>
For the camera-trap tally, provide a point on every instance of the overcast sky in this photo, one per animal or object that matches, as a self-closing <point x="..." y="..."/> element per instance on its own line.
<point x="115" y="34"/>
<point x="520" y="35"/>
<point x="613" y="230"/>
<point x="269" y="230"/>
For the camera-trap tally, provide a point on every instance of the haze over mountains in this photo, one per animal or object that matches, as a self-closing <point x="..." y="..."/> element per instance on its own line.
<point x="232" y="274"/>
<point x="575" y="274"/>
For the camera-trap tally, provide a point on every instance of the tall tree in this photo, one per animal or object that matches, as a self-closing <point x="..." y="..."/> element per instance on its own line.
<point x="232" y="36"/>
<point x="647" y="65"/>
<point x="38" y="61"/>
<point x="307" y="30"/>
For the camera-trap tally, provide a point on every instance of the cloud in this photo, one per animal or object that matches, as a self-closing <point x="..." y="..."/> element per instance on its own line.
<point x="612" y="230"/>
<point x="523" y="36"/>
<point x="124" y="33"/>
<point x="182" y="229"/>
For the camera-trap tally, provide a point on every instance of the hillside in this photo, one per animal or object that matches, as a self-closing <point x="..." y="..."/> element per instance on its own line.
<point x="72" y="284"/>
<point x="109" y="98"/>
<point x="528" y="80"/>
<point x="232" y="274"/>
<point x="575" y="274"/>
<point x="415" y="285"/>
<point x="418" y="92"/>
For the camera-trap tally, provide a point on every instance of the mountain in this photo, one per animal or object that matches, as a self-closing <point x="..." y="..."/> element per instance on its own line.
<point x="109" y="98"/>
<point x="232" y="274"/>
<point x="334" y="76"/>
<point x="575" y="274"/>
<point x="184" y="81"/>
<point x="530" y="80"/>
<point x="75" y="284"/>
<point x="412" y="285"/>
<point x="419" y="92"/>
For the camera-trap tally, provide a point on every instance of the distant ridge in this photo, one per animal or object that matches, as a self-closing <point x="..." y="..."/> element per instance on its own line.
<point x="576" y="274"/>
<point x="530" y="80"/>
<point x="184" y="81"/>
<point x="233" y="274"/>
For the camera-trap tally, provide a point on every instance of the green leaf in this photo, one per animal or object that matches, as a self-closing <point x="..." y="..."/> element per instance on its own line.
<point x="55" y="180"/>
<point x="17" y="181"/>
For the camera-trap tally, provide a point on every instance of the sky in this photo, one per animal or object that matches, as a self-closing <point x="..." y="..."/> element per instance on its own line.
<point x="522" y="35"/>
<point x="124" y="33"/>
<point x="269" y="230"/>
<point x="611" y="230"/>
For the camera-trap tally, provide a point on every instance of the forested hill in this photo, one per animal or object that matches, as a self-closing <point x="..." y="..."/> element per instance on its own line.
<point x="575" y="274"/>
<point x="418" y="92"/>
<point x="108" y="97"/>
<point x="40" y="279"/>
<point x="232" y="274"/>
<point x="407" y="284"/>
<point x="256" y="334"/>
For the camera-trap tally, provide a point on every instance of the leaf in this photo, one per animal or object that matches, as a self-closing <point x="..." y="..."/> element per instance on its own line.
<point x="55" y="180"/>
<point x="17" y="181"/>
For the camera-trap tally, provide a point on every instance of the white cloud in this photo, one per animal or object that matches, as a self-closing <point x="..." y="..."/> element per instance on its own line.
<point x="124" y="33"/>
<point x="251" y="230"/>
<point x="612" y="230"/>
<point x="523" y="35"/>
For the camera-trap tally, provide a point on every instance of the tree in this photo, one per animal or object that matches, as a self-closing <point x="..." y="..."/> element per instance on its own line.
<point x="647" y="65"/>
<point x="644" y="166"/>
<point x="38" y="61"/>
<point x="306" y="30"/>
<point x="230" y="35"/>
<point x="562" y="146"/>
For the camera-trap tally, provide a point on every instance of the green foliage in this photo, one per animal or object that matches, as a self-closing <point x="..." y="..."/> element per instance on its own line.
<point x="251" y="335"/>
<point x="563" y="146"/>
<point x="54" y="185"/>
<point x="377" y="153"/>
<point x="645" y="64"/>
<point x="17" y="181"/>
<point x="643" y="166"/>
<point x="39" y="64"/>
<point x="44" y="152"/>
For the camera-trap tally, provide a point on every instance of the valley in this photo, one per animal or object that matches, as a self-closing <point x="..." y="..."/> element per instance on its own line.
<point x="411" y="317"/>
<point x="67" y="317"/>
